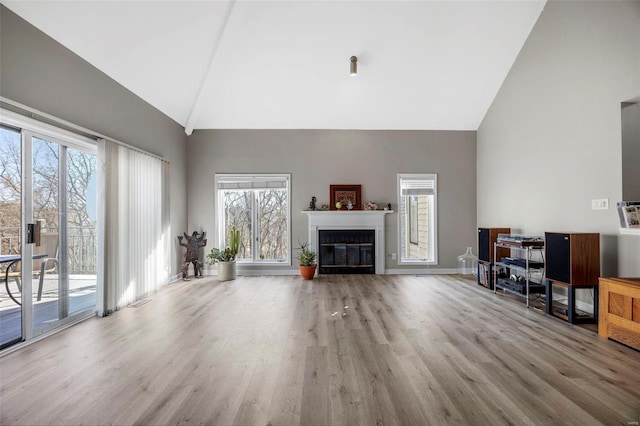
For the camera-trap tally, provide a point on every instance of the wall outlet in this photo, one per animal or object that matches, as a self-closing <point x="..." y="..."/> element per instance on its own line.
<point x="600" y="204"/>
<point x="393" y="256"/>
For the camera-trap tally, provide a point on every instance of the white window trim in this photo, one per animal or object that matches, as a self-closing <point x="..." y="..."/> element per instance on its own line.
<point x="49" y="132"/>
<point x="219" y="231"/>
<point x="433" y="236"/>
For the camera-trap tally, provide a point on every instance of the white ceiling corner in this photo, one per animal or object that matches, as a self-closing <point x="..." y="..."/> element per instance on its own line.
<point x="423" y="65"/>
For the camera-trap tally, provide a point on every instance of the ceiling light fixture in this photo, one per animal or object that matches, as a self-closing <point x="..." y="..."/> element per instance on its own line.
<point x="353" y="69"/>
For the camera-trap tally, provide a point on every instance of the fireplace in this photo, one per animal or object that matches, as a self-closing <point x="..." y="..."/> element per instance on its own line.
<point x="343" y="256"/>
<point x="349" y="251"/>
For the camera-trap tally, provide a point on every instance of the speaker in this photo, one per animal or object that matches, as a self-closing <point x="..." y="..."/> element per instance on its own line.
<point x="572" y="258"/>
<point x="484" y="245"/>
<point x="558" y="256"/>
<point x="486" y="238"/>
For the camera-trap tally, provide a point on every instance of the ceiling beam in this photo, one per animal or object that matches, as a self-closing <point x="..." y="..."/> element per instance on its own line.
<point x="208" y="76"/>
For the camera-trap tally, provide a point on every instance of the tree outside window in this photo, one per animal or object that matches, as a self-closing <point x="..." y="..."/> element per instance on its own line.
<point x="258" y="205"/>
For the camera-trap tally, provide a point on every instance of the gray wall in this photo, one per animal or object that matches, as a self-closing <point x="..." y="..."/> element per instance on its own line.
<point x="319" y="158"/>
<point x="551" y="141"/>
<point x="39" y="72"/>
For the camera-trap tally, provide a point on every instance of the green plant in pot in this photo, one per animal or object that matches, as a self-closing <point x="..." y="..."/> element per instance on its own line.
<point x="307" y="260"/>
<point x="226" y="259"/>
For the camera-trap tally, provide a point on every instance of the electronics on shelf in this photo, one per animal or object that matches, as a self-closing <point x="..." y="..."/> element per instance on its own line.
<point x="520" y="240"/>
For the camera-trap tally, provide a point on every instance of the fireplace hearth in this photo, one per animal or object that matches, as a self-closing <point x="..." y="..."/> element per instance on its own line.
<point x="354" y="220"/>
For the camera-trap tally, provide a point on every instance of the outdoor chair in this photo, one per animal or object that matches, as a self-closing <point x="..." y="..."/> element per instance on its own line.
<point x="40" y="266"/>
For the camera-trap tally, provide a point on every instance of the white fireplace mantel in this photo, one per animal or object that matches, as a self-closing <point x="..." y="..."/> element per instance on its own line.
<point x="359" y="219"/>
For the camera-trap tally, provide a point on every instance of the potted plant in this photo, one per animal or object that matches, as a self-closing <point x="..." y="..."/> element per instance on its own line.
<point x="307" y="260"/>
<point x="226" y="259"/>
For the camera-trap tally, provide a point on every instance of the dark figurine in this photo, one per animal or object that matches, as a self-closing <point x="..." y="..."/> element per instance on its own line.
<point x="192" y="254"/>
<point x="389" y="206"/>
<point x="312" y="204"/>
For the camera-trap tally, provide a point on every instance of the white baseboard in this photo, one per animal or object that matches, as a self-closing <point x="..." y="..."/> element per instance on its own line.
<point x="422" y="271"/>
<point x="256" y="272"/>
<point x="280" y="272"/>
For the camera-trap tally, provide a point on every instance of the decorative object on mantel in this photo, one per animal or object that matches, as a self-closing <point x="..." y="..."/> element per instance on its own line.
<point x="307" y="260"/>
<point x="389" y="206"/>
<point x="324" y="207"/>
<point x="371" y="206"/>
<point x="312" y="203"/>
<point x="341" y="195"/>
<point x="226" y="259"/>
<point x="192" y="254"/>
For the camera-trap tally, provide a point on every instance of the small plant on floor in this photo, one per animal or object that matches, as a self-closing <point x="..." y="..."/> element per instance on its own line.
<point x="226" y="258"/>
<point x="305" y="256"/>
<point x="217" y="255"/>
<point x="228" y="254"/>
<point x="307" y="260"/>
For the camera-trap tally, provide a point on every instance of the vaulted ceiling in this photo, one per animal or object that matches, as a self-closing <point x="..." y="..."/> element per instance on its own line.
<point x="285" y="64"/>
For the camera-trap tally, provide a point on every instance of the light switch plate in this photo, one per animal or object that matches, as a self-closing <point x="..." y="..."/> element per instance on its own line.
<point x="600" y="204"/>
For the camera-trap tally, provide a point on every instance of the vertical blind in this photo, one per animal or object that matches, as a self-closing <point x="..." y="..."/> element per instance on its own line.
<point x="133" y="220"/>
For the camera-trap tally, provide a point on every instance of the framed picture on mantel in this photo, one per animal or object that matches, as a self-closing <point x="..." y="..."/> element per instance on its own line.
<point x="344" y="194"/>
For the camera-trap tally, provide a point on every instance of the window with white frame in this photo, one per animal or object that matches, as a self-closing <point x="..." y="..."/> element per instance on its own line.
<point x="417" y="213"/>
<point x="258" y="205"/>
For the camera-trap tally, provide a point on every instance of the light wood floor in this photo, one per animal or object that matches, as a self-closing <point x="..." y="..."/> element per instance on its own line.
<point x="340" y="350"/>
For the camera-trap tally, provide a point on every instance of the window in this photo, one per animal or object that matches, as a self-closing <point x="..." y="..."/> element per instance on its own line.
<point x="417" y="224"/>
<point x="258" y="205"/>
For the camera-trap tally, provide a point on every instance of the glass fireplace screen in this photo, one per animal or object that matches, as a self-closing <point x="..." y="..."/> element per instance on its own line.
<point x="347" y="251"/>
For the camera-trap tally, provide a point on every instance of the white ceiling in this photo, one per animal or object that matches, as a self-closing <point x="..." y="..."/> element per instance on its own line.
<point x="285" y="64"/>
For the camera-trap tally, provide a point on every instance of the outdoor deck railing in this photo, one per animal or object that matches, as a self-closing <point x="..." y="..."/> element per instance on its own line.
<point x="82" y="247"/>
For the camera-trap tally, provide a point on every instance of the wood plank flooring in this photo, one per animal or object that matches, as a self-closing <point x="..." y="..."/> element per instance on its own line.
<point x="338" y="350"/>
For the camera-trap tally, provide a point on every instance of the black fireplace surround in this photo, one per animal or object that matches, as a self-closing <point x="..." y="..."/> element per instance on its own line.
<point x="347" y="251"/>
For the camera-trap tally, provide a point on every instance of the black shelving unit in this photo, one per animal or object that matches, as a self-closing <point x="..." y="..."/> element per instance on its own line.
<point x="522" y="272"/>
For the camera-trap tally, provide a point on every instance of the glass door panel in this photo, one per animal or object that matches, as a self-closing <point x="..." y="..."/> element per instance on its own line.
<point x="10" y="244"/>
<point x="49" y="288"/>
<point x="81" y="229"/>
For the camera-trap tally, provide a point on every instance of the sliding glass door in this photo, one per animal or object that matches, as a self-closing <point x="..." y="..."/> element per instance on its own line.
<point x="48" y="232"/>
<point x="10" y="234"/>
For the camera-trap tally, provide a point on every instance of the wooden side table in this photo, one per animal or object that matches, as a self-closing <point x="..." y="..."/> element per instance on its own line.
<point x="620" y="310"/>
